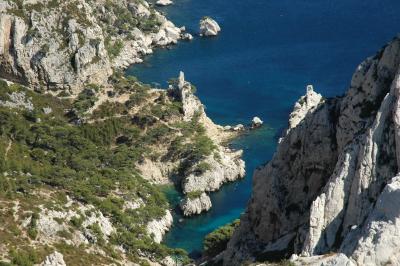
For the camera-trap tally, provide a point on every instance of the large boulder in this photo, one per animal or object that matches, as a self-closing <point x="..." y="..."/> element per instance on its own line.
<point x="209" y="27"/>
<point x="54" y="259"/>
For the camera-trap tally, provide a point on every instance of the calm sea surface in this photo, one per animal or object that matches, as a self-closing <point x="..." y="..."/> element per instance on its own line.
<point x="266" y="54"/>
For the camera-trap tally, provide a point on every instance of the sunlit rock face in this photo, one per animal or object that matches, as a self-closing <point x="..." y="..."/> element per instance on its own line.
<point x="67" y="45"/>
<point x="332" y="183"/>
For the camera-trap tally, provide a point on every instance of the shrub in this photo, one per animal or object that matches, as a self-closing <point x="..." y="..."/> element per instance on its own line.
<point x="216" y="241"/>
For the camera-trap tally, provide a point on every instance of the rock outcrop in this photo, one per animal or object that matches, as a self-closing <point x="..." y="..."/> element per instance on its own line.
<point x="256" y="122"/>
<point x="157" y="228"/>
<point x="54" y="259"/>
<point x="191" y="206"/>
<point x="70" y="44"/>
<point x="209" y="27"/>
<point x="210" y="173"/>
<point x="227" y="167"/>
<point x="332" y="185"/>
<point x="164" y="2"/>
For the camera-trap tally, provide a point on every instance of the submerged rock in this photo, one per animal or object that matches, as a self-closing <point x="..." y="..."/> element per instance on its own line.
<point x="209" y="27"/>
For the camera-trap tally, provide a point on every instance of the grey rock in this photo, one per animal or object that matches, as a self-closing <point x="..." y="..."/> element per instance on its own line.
<point x="333" y="181"/>
<point x="54" y="259"/>
<point x="209" y="27"/>
<point x="195" y="206"/>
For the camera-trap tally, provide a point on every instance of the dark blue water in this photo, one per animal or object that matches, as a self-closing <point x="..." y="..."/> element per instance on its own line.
<point x="266" y="54"/>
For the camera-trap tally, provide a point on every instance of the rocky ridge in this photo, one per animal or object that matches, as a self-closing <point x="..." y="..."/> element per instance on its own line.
<point x="62" y="62"/>
<point x="332" y="183"/>
<point x="66" y="44"/>
<point x="224" y="165"/>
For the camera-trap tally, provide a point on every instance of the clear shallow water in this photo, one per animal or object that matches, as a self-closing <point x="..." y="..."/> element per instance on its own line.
<point x="266" y="54"/>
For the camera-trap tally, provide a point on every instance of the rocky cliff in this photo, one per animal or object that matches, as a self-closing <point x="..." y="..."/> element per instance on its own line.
<point x="332" y="186"/>
<point x="96" y="143"/>
<point x="52" y="44"/>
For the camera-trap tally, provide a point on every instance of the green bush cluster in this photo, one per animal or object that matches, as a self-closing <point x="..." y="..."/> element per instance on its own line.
<point x="216" y="241"/>
<point x="85" y="100"/>
<point x="86" y="162"/>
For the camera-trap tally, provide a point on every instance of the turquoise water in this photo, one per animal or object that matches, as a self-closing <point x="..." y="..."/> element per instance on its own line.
<point x="266" y="54"/>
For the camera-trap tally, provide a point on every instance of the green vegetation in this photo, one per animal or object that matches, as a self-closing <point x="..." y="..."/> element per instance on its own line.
<point x="85" y="100"/>
<point x="32" y="230"/>
<point x="194" y="194"/>
<point x="216" y="241"/>
<point x="86" y="161"/>
<point x="113" y="47"/>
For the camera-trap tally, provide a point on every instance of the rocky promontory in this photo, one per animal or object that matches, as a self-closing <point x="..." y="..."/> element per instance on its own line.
<point x="96" y="143"/>
<point x="65" y="44"/>
<point x="328" y="196"/>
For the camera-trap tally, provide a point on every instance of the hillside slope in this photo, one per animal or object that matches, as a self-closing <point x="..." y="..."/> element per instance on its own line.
<point x="85" y="151"/>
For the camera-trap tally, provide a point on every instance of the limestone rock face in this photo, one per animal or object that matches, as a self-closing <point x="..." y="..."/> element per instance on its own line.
<point x="332" y="184"/>
<point x="209" y="27"/>
<point x="210" y="173"/>
<point x="67" y="46"/>
<point x="228" y="167"/>
<point x="197" y="205"/>
<point x="157" y="228"/>
<point x="324" y="260"/>
<point x="54" y="259"/>
<point x="303" y="106"/>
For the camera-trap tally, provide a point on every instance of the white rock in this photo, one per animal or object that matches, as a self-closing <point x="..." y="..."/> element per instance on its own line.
<point x="256" y="122"/>
<point x="164" y="2"/>
<point x="157" y="228"/>
<point x="209" y="27"/>
<point x="196" y="206"/>
<point x="227" y="168"/>
<point x="54" y="259"/>
<point x="238" y="127"/>
<point x="187" y="36"/>
<point x="333" y="182"/>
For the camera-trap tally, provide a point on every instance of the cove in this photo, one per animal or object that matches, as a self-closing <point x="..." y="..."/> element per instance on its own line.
<point x="266" y="54"/>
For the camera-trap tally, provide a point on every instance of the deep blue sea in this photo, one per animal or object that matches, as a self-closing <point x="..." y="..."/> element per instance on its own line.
<point x="266" y="54"/>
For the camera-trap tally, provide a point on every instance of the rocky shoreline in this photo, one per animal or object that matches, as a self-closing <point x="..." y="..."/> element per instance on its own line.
<point x="328" y="194"/>
<point x="76" y="52"/>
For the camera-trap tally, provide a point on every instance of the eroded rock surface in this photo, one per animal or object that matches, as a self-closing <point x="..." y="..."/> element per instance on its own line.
<point x="192" y="206"/>
<point x="209" y="27"/>
<point x="66" y="45"/>
<point x="332" y="184"/>
<point x="157" y="228"/>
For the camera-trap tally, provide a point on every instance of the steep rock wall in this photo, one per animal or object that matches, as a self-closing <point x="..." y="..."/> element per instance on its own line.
<point x="320" y="192"/>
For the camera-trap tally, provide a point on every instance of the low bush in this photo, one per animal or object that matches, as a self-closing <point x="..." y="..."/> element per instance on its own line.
<point x="216" y="241"/>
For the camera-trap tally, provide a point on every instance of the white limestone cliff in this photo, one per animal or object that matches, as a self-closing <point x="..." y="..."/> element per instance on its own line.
<point x="192" y="206"/>
<point x="39" y="54"/>
<point x="333" y="183"/>
<point x="157" y="228"/>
